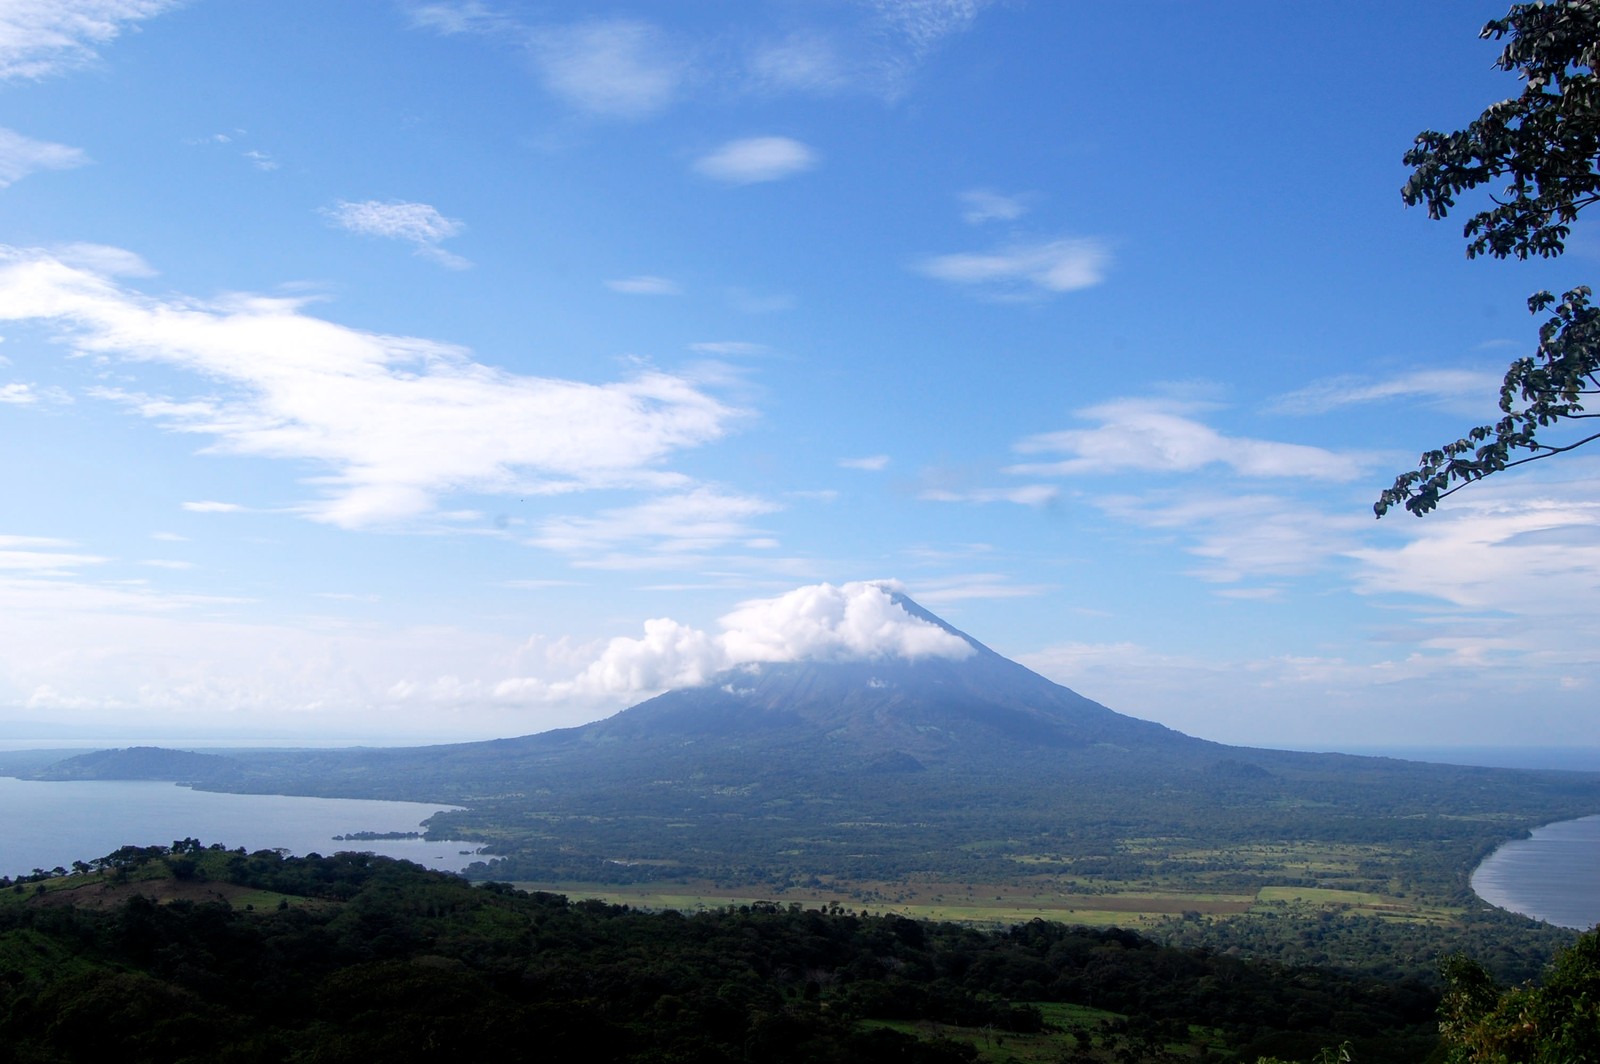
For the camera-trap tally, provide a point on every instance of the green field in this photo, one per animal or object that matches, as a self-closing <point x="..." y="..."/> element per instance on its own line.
<point x="1007" y="903"/>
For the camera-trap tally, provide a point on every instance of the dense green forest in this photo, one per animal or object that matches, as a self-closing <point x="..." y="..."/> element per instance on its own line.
<point x="191" y="953"/>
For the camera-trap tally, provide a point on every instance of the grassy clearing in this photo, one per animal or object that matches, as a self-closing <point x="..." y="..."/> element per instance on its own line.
<point x="102" y="890"/>
<point x="1365" y="903"/>
<point x="1329" y="877"/>
<point x="990" y="903"/>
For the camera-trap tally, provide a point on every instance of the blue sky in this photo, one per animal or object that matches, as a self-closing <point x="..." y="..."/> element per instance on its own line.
<point x="403" y="370"/>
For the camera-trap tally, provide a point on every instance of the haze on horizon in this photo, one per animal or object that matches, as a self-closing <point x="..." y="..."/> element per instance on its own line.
<point x="455" y="370"/>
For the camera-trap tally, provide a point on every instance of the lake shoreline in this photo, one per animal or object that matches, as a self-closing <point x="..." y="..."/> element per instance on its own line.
<point x="1552" y="875"/>
<point x="53" y="823"/>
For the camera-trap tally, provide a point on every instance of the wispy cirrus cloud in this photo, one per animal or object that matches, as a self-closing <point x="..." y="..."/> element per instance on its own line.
<point x="1436" y="385"/>
<point x="966" y="587"/>
<point x="1157" y="436"/>
<point x="393" y="422"/>
<point x="631" y="68"/>
<point x="685" y="523"/>
<point x="981" y="205"/>
<point x="618" y="68"/>
<point x="1023" y="495"/>
<point x="1244" y="535"/>
<point x="805" y="61"/>
<point x="925" y="23"/>
<point x="912" y="31"/>
<point x="756" y="159"/>
<point x="645" y="285"/>
<point x="1523" y="546"/>
<point x="22" y="393"/>
<point x="418" y="224"/>
<point x="459" y="16"/>
<point x="43" y="556"/>
<point x="873" y="463"/>
<point x="729" y="347"/>
<point x="21" y="156"/>
<point x="1024" y="270"/>
<point x="40" y="38"/>
<point x="610" y="68"/>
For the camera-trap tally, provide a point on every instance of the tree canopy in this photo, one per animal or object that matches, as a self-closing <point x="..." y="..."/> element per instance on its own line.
<point x="1538" y="154"/>
<point x="1557" y="1021"/>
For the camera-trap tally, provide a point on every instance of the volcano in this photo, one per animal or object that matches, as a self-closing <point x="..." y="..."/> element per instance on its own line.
<point x="943" y="709"/>
<point x="861" y="764"/>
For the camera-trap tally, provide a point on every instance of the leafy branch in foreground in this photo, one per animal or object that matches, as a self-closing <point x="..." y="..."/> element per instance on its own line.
<point x="1556" y="1022"/>
<point x="1544" y="145"/>
<point x="1537" y="393"/>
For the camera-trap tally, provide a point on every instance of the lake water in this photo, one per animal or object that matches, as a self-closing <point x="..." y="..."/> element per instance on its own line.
<point x="1553" y="876"/>
<point x="46" y="824"/>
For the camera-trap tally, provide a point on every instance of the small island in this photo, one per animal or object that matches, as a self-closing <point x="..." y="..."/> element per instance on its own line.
<point x="377" y="836"/>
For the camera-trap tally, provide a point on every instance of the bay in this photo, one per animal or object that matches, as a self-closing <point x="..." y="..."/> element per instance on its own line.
<point x="45" y="824"/>
<point x="1553" y="876"/>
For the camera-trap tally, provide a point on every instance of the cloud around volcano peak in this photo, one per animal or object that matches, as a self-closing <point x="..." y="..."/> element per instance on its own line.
<point x="857" y="621"/>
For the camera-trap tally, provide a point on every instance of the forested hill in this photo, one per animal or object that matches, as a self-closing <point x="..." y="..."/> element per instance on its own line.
<point x="202" y="954"/>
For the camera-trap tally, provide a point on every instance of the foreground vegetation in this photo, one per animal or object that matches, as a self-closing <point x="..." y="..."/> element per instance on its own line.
<point x="191" y="953"/>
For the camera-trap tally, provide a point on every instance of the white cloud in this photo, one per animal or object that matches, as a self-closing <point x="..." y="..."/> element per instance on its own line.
<point x="1244" y="536"/>
<point x="802" y="62"/>
<point x="924" y="23"/>
<point x="1519" y="547"/>
<point x="729" y="347"/>
<point x="1156" y="436"/>
<point x="20" y="393"/>
<point x="419" y="224"/>
<point x="395" y="421"/>
<point x="21" y="156"/>
<point x="969" y="586"/>
<point x="98" y="258"/>
<point x="261" y="160"/>
<point x="686" y="523"/>
<point x="851" y="622"/>
<point x="616" y="68"/>
<point x="39" y="38"/>
<point x="1025" y="270"/>
<point x="631" y="68"/>
<point x="985" y="206"/>
<point x="1439" y="385"/>
<point x="207" y="506"/>
<point x="42" y="556"/>
<point x="1026" y="495"/>
<point x="645" y="285"/>
<point x="460" y="17"/>
<point x="876" y="463"/>
<point x="756" y="159"/>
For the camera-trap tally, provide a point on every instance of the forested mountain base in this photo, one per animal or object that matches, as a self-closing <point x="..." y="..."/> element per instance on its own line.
<point x="189" y="954"/>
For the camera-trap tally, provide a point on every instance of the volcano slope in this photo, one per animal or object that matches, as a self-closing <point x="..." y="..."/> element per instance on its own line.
<point x="962" y="768"/>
